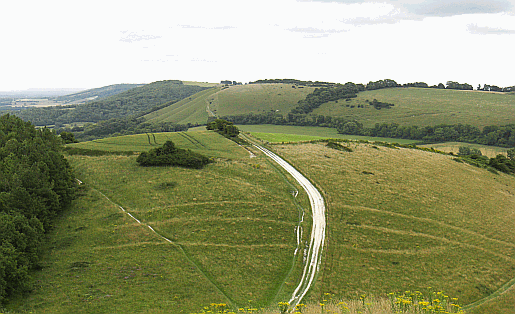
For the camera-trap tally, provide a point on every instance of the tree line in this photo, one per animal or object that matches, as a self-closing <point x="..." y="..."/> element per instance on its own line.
<point x="36" y="184"/>
<point x="503" y="136"/>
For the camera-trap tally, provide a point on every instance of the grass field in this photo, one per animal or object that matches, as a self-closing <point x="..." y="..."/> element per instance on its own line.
<point x="402" y="219"/>
<point x="427" y="106"/>
<point x="288" y="133"/>
<point x="232" y="226"/>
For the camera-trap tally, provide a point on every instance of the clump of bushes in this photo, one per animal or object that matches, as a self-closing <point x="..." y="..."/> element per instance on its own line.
<point x="169" y="155"/>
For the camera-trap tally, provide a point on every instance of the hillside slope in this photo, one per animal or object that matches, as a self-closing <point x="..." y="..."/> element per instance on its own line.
<point x="402" y="219"/>
<point x="411" y="106"/>
<point x="241" y="99"/>
<point x="426" y="106"/>
<point x="232" y="225"/>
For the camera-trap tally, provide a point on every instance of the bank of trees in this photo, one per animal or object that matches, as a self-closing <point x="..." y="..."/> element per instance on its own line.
<point x="503" y="136"/>
<point x="36" y="184"/>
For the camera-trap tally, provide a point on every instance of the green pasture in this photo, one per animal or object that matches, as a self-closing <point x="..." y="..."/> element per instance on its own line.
<point x="289" y="133"/>
<point x="426" y="106"/>
<point x="404" y="219"/>
<point x="231" y="225"/>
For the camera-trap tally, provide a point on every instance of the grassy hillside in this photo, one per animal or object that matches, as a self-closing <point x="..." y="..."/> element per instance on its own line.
<point x="404" y="219"/>
<point x="189" y="110"/>
<point x="232" y="226"/>
<point x="412" y="106"/>
<point x="426" y="106"/>
<point x="398" y="219"/>
<point x="254" y="98"/>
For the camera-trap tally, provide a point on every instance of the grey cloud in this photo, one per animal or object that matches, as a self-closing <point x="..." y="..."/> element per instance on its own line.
<point x="441" y="8"/>
<point x="485" y="30"/>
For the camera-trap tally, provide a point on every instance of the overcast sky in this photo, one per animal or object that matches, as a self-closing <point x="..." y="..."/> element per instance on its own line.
<point x="50" y="44"/>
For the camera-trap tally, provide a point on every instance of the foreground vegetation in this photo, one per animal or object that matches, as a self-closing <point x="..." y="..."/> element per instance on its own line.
<point x="231" y="225"/>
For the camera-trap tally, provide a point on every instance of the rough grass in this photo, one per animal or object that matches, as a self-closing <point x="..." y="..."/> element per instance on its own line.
<point x="402" y="219"/>
<point x="258" y="98"/>
<point x="426" y="106"/>
<point x="454" y="147"/>
<point x="232" y="226"/>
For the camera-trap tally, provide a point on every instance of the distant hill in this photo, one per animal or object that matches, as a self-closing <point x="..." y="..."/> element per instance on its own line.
<point x="410" y="106"/>
<point x="240" y="99"/>
<point x="132" y="102"/>
<point x="95" y="93"/>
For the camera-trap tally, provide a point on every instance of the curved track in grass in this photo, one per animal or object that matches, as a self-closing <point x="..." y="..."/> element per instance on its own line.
<point x="317" y="231"/>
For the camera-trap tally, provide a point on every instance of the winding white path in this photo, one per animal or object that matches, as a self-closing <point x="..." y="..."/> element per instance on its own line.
<point x="317" y="231"/>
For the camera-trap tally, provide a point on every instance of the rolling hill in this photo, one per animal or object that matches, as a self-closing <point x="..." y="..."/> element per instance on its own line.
<point x="398" y="219"/>
<point x="412" y="106"/>
<point x="240" y="99"/>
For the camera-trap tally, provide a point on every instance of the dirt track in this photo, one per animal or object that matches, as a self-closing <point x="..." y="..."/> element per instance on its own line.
<point x="317" y="231"/>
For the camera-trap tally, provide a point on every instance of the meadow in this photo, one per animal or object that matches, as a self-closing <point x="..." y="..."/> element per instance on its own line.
<point x="403" y="219"/>
<point x="231" y="226"/>
<point x="426" y="106"/>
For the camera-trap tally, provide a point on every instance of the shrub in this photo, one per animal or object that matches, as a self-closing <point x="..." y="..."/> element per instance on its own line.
<point x="169" y="155"/>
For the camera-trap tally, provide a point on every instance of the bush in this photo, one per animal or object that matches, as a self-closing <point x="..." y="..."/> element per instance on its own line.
<point x="169" y="155"/>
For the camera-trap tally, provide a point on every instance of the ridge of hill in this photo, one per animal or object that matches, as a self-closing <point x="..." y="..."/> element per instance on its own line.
<point x="95" y="93"/>
<point x="131" y="102"/>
